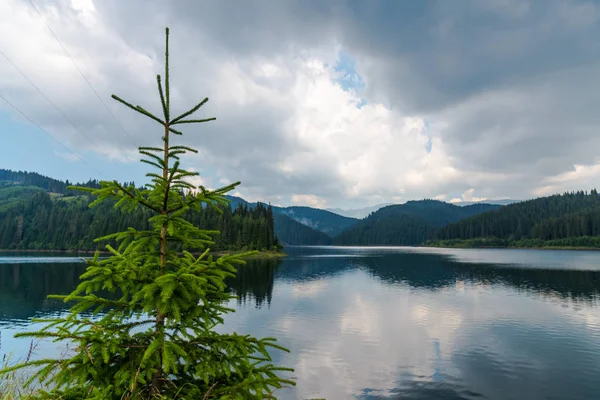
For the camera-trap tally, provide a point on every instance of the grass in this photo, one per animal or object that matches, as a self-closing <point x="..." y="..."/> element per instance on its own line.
<point x="13" y="384"/>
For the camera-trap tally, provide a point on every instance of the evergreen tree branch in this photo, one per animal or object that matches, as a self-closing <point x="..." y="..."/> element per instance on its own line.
<point x="190" y="112"/>
<point x="138" y="109"/>
<point x="150" y="148"/>
<point x="194" y="121"/>
<point x="162" y="98"/>
<point x="183" y="148"/>
<point x="139" y="199"/>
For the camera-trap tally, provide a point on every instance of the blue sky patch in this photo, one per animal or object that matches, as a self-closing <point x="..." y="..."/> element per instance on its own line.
<point x="429" y="144"/>
<point x="349" y="79"/>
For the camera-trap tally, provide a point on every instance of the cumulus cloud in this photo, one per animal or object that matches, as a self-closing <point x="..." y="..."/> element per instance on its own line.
<point x="309" y="199"/>
<point x="467" y="196"/>
<point x="331" y="103"/>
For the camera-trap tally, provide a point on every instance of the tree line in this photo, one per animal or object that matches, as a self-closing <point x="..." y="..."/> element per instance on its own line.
<point x="44" y="222"/>
<point x="406" y="224"/>
<point x="556" y="218"/>
<point x="291" y="232"/>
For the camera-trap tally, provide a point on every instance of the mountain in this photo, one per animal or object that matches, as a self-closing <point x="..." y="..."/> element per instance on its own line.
<point x="291" y="232"/>
<point x="33" y="179"/>
<point x="235" y="201"/>
<point x="321" y="220"/>
<point x="551" y="218"/>
<point x="502" y="202"/>
<point x="411" y="223"/>
<point x="359" y="213"/>
<point x="40" y="220"/>
<point x="301" y="225"/>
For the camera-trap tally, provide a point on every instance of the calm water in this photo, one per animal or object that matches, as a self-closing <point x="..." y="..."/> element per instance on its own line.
<point x="382" y="323"/>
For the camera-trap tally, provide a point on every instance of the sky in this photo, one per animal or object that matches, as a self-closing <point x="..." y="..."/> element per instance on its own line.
<point x="320" y="103"/>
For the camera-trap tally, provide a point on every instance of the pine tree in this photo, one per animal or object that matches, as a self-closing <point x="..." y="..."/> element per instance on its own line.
<point x="155" y="337"/>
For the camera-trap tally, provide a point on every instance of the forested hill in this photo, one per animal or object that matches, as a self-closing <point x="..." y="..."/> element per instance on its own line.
<point x="305" y="225"/>
<point x="33" y="179"/>
<point x="563" y="218"/>
<point x="321" y="220"/>
<point x="291" y="232"/>
<point x="411" y="223"/>
<point x="42" y="220"/>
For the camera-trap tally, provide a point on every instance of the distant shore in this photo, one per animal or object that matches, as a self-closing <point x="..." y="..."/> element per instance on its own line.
<point x="513" y="247"/>
<point x="267" y="254"/>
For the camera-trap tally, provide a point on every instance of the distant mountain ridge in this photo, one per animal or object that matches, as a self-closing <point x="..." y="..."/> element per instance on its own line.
<point x="320" y="220"/>
<point x="303" y="225"/>
<point x="33" y="179"/>
<point x="359" y="213"/>
<point x="501" y="202"/>
<point x="561" y="218"/>
<point x="567" y="220"/>
<point x="291" y="232"/>
<point x="294" y="225"/>
<point x="410" y="223"/>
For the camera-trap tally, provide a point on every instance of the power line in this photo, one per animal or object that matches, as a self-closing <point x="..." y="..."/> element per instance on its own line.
<point x="81" y="73"/>
<point x="46" y="97"/>
<point x="49" y="134"/>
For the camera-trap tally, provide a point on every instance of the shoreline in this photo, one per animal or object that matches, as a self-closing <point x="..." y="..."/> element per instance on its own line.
<point x="267" y="254"/>
<point x="577" y="248"/>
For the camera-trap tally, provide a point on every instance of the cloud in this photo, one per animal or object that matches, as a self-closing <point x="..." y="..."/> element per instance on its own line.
<point x="570" y="180"/>
<point x="308" y="199"/>
<point x="467" y="196"/>
<point x="198" y="180"/>
<point x="346" y="102"/>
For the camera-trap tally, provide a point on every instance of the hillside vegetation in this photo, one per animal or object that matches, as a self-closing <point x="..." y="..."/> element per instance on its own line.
<point x="9" y="177"/>
<point x="12" y="194"/>
<point x="44" y="222"/>
<point x="570" y="219"/>
<point x="320" y="220"/>
<point x="409" y="224"/>
<point x="37" y="212"/>
<point x="292" y="232"/>
<point x="18" y="231"/>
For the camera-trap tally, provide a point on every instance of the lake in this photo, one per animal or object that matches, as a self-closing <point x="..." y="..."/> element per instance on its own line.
<point x="390" y="323"/>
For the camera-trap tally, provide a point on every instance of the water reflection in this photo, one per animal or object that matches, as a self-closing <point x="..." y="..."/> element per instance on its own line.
<point x="24" y="288"/>
<point x="436" y="272"/>
<point x="375" y="324"/>
<point x="427" y="326"/>
<point x="254" y="282"/>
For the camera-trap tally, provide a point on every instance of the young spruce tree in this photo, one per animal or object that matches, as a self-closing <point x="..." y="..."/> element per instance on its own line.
<point x="156" y="338"/>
